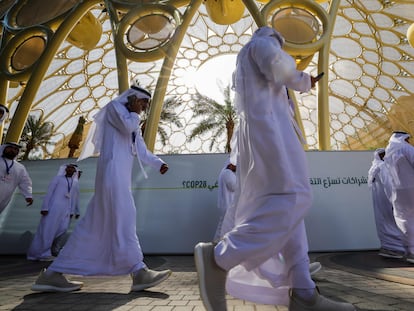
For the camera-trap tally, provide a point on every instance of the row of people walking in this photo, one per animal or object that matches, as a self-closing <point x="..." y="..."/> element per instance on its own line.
<point x="263" y="257"/>
<point x="59" y="206"/>
<point x="391" y="180"/>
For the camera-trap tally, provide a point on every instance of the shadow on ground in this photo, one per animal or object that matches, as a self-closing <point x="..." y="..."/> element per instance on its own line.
<point x="85" y="301"/>
<point x="371" y="264"/>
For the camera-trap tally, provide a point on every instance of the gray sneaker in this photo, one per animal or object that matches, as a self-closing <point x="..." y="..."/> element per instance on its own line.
<point x="146" y="278"/>
<point x="318" y="303"/>
<point x="54" y="283"/>
<point x="211" y="278"/>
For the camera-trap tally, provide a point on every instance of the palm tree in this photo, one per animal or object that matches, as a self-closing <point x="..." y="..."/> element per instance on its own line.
<point x="218" y="117"/>
<point x="36" y="135"/>
<point x="168" y="116"/>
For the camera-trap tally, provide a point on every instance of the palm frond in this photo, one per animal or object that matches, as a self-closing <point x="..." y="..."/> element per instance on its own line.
<point x="36" y="135"/>
<point x="219" y="117"/>
<point x="202" y="128"/>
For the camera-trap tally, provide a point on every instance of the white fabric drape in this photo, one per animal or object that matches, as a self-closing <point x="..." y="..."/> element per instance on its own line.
<point x="399" y="158"/>
<point x="273" y="193"/>
<point x="379" y="181"/>
<point x="226" y="189"/>
<point x="105" y="241"/>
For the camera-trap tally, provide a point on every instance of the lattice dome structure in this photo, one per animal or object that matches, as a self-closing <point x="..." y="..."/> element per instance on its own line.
<point x="63" y="60"/>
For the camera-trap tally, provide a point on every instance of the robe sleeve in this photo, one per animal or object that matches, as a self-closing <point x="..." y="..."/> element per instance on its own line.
<point x="278" y="67"/>
<point x="120" y="118"/>
<point x="75" y="199"/>
<point x="230" y="181"/>
<point x="409" y="153"/>
<point x="49" y="195"/>
<point x="146" y="156"/>
<point x="25" y="183"/>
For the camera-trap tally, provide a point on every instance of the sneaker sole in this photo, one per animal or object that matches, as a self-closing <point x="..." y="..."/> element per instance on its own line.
<point x="50" y="288"/>
<point x="138" y="288"/>
<point x="315" y="270"/>
<point x="391" y="256"/>
<point x="199" y="262"/>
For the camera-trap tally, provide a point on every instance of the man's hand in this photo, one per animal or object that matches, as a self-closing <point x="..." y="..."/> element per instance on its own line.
<point x="164" y="168"/>
<point x="44" y="213"/>
<point x="314" y="80"/>
<point x="29" y="201"/>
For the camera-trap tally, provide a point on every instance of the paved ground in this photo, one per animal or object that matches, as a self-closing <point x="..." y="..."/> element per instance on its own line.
<point x="368" y="290"/>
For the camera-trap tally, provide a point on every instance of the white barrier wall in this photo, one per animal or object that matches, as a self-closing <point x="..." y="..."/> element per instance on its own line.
<point x="178" y="209"/>
<point x="341" y="217"/>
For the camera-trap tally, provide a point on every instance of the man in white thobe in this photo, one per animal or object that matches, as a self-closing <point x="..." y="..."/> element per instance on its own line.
<point x="266" y="253"/>
<point x="56" y="211"/>
<point x="105" y="241"/>
<point x="399" y="158"/>
<point x="60" y="241"/>
<point x="390" y="236"/>
<point x="227" y="183"/>
<point x="226" y="189"/>
<point x="13" y="175"/>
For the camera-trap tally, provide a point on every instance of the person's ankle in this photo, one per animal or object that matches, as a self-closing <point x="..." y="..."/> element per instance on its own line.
<point x="304" y="294"/>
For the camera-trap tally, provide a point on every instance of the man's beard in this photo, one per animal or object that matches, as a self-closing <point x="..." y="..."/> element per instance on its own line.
<point x="9" y="155"/>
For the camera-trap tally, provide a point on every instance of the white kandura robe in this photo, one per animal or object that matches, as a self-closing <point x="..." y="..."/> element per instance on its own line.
<point x="18" y="177"/>
<point x="226" y="189"/>
<point x="379" y="182"/>
<point x="59" y="201"/>
<point x="274" y="192"/>
<point x="105" y="241"/>
<point x="75" y="209"/>
<point x="399" y="158"/>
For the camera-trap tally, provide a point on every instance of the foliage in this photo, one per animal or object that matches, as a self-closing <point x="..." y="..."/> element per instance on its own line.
<point x="36" y="135"/>
<point x="168" y="116"/>
<point x="218" y="117"/>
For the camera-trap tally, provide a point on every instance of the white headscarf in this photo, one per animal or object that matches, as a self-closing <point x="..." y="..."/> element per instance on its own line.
<point x="9" y="144"/>
<point x="394" y="151"/>
<point x="376" y="165"/>
<point x="240" y="78"/>
<point x="62" y="170"/>
<point x="394" y="144"/>
<point x="93" y="142"/>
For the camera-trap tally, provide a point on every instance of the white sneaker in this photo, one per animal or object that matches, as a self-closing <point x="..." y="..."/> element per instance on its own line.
<point x="146" y="278"/>
<point x="314" y="267"/>
<point x="55" y="282"/>
<point x="211" y="278"/>
<point x="317" y="303"/>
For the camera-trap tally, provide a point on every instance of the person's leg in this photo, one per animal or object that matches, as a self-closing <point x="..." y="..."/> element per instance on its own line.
<point x="296" y="256"/>
<point x="143" y="278"/>
<point x="51" y="281"/>
<point x="58" y="243"/>
<point x="303" y="295"/>
<point x="263" y="231"/>
<point x="211" y="278"/>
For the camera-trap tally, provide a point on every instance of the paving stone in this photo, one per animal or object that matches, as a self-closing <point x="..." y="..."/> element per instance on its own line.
<point x="180" y="292"/>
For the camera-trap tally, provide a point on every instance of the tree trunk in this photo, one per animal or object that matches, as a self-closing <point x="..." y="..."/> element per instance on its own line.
<point x="230" y="130"/>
